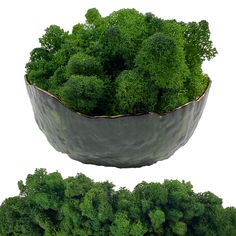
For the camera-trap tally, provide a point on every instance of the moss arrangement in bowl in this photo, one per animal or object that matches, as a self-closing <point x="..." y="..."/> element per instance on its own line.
<point x="124" y="90"/>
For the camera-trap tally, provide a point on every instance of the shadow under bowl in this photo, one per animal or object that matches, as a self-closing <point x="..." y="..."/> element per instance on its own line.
<point x="121" y="141"/>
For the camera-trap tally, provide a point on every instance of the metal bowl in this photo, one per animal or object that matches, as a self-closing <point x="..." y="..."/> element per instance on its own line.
<point x="122" y="141"/>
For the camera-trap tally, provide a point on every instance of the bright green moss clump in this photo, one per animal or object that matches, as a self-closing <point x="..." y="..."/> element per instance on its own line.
<point x="51" y="205"/>
<point x="134" y="63"/>
<point x="135" y="94"/>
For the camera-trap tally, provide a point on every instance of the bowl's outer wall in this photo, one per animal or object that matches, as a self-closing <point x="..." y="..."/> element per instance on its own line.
<point x="126" y="141"/>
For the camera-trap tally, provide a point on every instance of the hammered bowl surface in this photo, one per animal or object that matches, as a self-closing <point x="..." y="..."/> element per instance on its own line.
<point x="123" y="141"/>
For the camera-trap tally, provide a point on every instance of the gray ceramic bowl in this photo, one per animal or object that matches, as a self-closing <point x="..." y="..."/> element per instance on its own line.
<point x="121" y="141"/>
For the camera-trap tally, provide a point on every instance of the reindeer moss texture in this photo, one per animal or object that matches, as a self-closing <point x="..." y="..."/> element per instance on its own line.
<point x="127" y="62"/>
<point x="49" y="205"/>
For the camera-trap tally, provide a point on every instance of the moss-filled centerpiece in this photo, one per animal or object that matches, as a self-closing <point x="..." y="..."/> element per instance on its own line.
<point x="125" y="90"/>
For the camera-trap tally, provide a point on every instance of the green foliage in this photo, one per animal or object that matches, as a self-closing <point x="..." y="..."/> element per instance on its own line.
<point x="135" y="94"/>
<point x="198" y="45"/>
<point x="171" y="99"/>
<point x="15" y="215"/>
<point x="82" y="64"/>
<point x="228" y="226"/>
<point x="93" y="16"/>
<point x="157" y="217"/>
<point x="46" y="190"/>
<point x="38" y="68"/>
<point x="122" y="38"/>
<point x="96" y="206"/>
<point x="179" y="228"/>
<point x="153" y="24"/>
<point x="44" y="61"/>
<point x="53" y="38"/>
<point x="82" y="93"/>
<point x="137" y="229"/>
<point x="159" y="58"/>
<point x="52" y="206"/>
<point x="129" y="51"/>
<point x="120" y="225"/>
<point x="77" y="187"/>
<point x="196" y="83"/>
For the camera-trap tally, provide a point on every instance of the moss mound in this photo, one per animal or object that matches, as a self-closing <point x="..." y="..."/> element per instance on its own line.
<point x="126" y="62"/>
<point x="51" y="205"/>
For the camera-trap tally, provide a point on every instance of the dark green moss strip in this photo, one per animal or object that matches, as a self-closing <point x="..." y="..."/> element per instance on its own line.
<point x="51" y="205"/>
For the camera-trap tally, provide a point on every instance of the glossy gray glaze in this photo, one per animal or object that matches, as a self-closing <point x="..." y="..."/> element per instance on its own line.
<point x="123" y="141"/>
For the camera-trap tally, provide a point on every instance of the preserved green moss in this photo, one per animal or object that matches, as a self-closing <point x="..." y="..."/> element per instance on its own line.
<point x="147" y="64"/>
<point x="50" y="205"/>
<point x="82" y="93"/>
<point x="160" y="59"/>
<point x="82" y="64"/>
<point x="135" y="94"/>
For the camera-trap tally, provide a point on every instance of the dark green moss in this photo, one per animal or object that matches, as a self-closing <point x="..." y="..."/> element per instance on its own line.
<point x="196" y="83"/>
<point x="171" y="99"/>
<point x="82" y="64"/>
<point x="145" y="63"/>
<point x="159" y="58"/>
<point x="82" y="93"/>
<point x="50" y="205"/>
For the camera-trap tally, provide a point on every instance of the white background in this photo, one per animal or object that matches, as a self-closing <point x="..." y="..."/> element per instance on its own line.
<point x="208" y="160"/>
